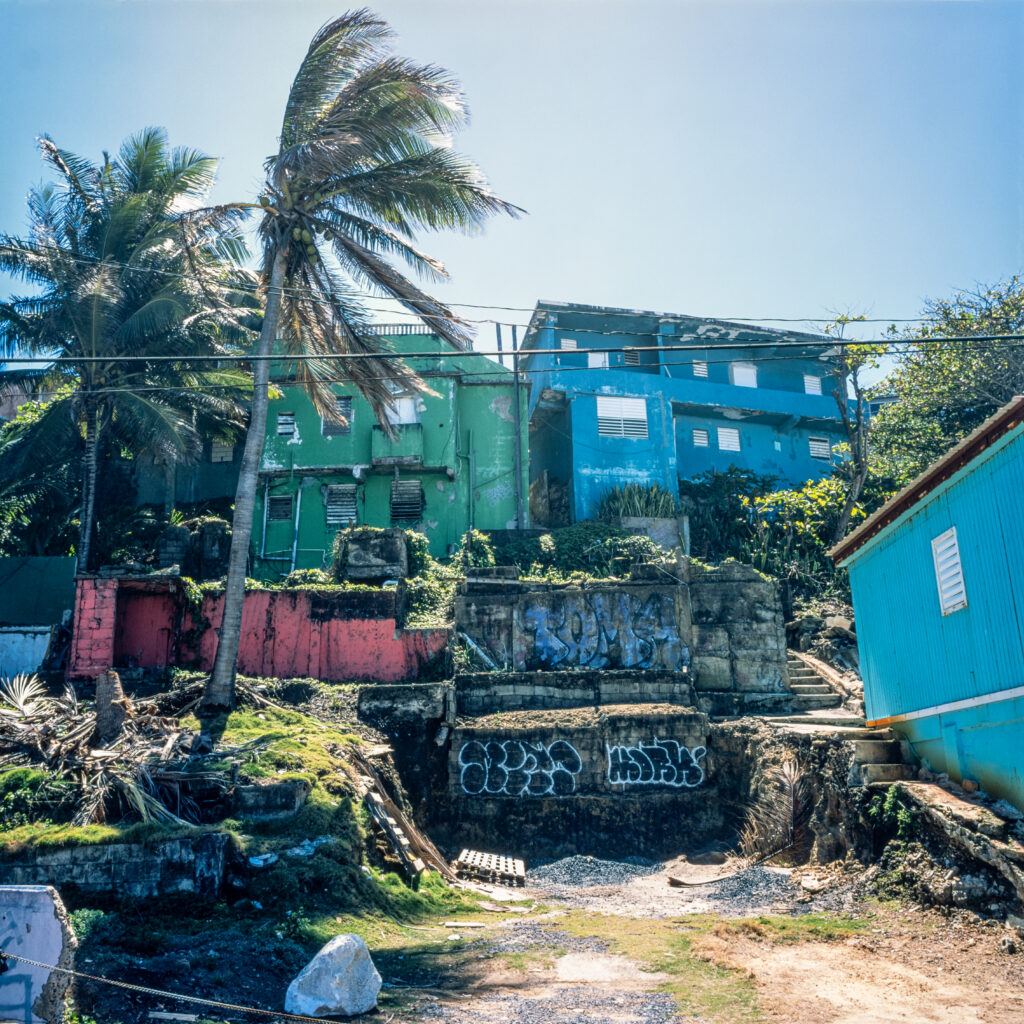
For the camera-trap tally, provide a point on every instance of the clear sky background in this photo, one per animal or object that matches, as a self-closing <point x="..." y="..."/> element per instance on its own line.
<point x="736" y="158"/>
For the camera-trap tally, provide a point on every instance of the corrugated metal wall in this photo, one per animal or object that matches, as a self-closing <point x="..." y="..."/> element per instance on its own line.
<point x="912" y="656"/>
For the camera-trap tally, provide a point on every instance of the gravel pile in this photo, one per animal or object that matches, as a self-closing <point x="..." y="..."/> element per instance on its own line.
<point x="524" y="936"/>
<point x="564" y="1005"/>
<point x="584" y="872"/>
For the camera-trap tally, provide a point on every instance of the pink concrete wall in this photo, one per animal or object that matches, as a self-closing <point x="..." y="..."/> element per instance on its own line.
<point x="285" y="634"/>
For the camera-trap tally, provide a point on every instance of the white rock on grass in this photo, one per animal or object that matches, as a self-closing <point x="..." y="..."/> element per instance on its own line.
<point x="340" y="980"/>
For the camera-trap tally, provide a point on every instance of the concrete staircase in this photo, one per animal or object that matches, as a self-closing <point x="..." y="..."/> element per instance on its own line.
<point x="810" y="692"/>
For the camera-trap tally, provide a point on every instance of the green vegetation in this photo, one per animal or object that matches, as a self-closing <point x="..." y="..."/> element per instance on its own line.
<point x="891" y="814"/>
<point x="596" y="550"/>
<point x="643" y="500"/>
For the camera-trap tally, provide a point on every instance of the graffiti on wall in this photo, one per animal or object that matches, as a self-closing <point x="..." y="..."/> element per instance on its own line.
<point x="518" y="768"/>
<point x="661" y="763"/>
<point x="607" y="629"/>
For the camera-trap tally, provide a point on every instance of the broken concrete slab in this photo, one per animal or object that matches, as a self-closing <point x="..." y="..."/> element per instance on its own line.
<point x="35" y="925"/>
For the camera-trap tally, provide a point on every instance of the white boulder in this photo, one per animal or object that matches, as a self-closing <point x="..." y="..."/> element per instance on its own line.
<point x="339" y="981"/>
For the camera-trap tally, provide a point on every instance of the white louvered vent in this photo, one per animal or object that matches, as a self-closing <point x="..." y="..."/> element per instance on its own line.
<point x="949" y="573"/>
<point x="631" y="357"/>
<point x="700" y="368"/>
<point x="744" y="375"/>
<point x="221" y="452"/>
<point x="341" y="504"/>
<point x="820" y="448"/>
<point x="700" y="438"/>
<point x="567" y="343"/>
<point x="812" y="384"/>
<point x="621" y="417"/>
<point x="729" y="439"/>
<point x="330" y="428"/>
<point x="286" y="424"/>
<point x="279" y="508"/>
<point x="406" y="501"/>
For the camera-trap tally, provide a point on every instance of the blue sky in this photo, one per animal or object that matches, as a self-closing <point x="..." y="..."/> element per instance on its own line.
<point x="735" y="159"/>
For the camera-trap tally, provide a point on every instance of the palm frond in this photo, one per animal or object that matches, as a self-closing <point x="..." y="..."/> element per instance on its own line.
<point x="24" y="693"/>
<point x="777" y="820"/>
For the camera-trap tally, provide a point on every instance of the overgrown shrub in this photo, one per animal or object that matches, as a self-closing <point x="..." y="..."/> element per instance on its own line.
<point x="594" y="549"/>
<point x="475" y="549"/>
<point x="719" y="510"/>
<point x="642" y="500"/>
<point x="28" y="796"/>
<point x="307" y="578"/>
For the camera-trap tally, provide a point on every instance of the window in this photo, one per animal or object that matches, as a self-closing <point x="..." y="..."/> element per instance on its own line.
<point x="341" y="504"/>
<point x="330" y="428"/>
<point x="286" y="424"/>
<point x="220" y="451"/>
<point x="279" y="508"/>
<point x="406" y="501"/>
<point x="729" y="439"/>
<point x="700" y="438"/>
<point x="949" y="573"/>
<point x="567" y="343"/>
<point x="700" y="368"/>
<point x="744" y="375"/>
<point x="621" y="417"/>
<point x="403" y="406"/>
<point x="812" y="384"/>
<point x="631" y="357"/>
<point x="820" y="448"/>
<point x="597" y="360"/>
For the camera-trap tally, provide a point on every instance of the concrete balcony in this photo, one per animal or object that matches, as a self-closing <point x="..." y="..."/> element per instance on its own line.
<point x="405" y="450"/>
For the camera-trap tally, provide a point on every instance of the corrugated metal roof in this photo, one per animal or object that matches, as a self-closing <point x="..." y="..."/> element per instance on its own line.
<point x="995" y="427"/>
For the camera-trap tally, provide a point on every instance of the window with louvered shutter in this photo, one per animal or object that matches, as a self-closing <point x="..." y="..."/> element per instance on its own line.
<point x="406" y="501"/>
<point x="279" y="508"/>
<point x="729" y="439"/>
<point x="949" y="573"/>
<point x="341" y="504"/>
<point x="700" y="438"/>
<point x="286" y="424"/>
<point x="221" y="452"/>
<point x="631" y="357"/>
<point x="812" y="384"/>
<point x="567" y="343"/>
<point x="330" y="428"/>
<point x="621" y="417"/>
<point x="700" y="368"/>
<point x="820" y="448"/>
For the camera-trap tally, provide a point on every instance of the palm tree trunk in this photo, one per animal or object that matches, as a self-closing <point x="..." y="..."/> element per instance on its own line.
<point x="89" y="474"/>
<point x="220" y="690"/>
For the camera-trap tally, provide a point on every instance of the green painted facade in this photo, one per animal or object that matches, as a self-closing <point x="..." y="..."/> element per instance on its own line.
<point x="451" y="468"/>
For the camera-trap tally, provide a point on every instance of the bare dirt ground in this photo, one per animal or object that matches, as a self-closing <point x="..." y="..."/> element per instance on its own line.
<point x="757" y="947"/>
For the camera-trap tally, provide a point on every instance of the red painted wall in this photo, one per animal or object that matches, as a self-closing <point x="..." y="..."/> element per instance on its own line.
<point x="285" y="634"/>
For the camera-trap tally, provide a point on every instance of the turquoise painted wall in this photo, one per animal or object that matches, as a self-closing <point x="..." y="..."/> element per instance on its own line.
<point x="914" y="658"/>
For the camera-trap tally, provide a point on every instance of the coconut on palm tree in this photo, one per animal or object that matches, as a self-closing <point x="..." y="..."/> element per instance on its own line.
<point x="132" y="281"/>
<point x="364" y="164"/>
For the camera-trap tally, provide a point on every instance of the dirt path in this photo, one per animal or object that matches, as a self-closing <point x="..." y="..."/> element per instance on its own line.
<point x="641" y="953"/>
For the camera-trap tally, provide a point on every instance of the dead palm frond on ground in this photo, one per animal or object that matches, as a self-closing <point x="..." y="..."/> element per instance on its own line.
<point x="776" y="821"/>
<point x="364" y="164"/>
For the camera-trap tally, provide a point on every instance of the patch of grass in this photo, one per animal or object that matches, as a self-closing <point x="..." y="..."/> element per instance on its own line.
<point x="806" y="928"/>
<point x="701" y="987"/>
<point x="43" y="834"/>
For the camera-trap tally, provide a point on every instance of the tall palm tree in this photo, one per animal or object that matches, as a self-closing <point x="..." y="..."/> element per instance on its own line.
<point x="132" y="279"/>
<point x="364" y="164"/>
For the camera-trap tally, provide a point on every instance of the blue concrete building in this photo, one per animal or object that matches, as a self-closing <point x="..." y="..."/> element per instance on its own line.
<point x="623" y="396"/>
<point x="938" y="590"/>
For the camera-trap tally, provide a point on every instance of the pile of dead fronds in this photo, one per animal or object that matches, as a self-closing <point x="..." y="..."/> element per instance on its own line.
<point x="776" y="822"/>
<point x="126" y="760"/>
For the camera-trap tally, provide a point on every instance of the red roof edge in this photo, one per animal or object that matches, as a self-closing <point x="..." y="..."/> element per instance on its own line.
<point x="1002" y="422"/>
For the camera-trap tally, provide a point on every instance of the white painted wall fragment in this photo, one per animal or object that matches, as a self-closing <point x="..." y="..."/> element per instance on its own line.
<point x="34" y="925"/>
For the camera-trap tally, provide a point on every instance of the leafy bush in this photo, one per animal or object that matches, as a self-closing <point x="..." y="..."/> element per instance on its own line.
<point x="591" y="549"/>
<point x="644" y="500"/>
<point x="475" y="549"/>
<point x="719" y="510"/>
<point x="28" y="796"/>
<point x="306" y="578"/>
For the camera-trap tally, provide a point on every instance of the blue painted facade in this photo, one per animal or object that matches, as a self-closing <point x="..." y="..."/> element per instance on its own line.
<point x="700" y="393"/>
<point x="951" y="683"/>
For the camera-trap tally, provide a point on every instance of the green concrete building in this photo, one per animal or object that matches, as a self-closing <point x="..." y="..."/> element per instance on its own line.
<point x="452" y="466"/>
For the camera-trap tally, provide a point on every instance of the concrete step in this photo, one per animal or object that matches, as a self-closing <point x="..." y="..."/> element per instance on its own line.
<point x="814" y="701"/>
<point x="811" y="688"/>
<point x="877" y="751"/>
<point x="817" y="718"/>
<point x="886" y="772"/>
<point x="843" y="732"/>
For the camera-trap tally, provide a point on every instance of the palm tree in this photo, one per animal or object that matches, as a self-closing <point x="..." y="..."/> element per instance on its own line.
<point x="364" y="163"/>
<point x="132" y="279"/>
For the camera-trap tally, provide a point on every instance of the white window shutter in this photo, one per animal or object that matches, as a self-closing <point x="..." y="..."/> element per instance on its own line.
<point x="341" y="504"/>
<point x="812" y="384"/>
<point x="621" y="417"/>
<point x="700" y="368"/>
<point x="744" y="375"/>
<point x="729" y="439"/>
<point x="567" y="343"/>
<point x="820" y="448"/>
<point x="949" y="573"/>
<point x="700" y="438"/>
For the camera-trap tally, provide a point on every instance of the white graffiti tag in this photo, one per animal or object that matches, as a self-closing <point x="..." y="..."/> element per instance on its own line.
<point x="661" y="763"/>
<point x="518" y="768"/>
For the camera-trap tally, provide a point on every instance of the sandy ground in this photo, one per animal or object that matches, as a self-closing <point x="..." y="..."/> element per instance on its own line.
<point x="907" y="966"/>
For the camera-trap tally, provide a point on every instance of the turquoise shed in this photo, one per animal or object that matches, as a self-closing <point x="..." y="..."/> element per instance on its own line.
<point x="938" y="590"/>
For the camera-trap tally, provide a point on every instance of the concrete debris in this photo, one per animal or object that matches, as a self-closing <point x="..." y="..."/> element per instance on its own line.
<point x="339" y="981"/>
<point x="263" y="860"/>
<point x="308" y="847"/>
